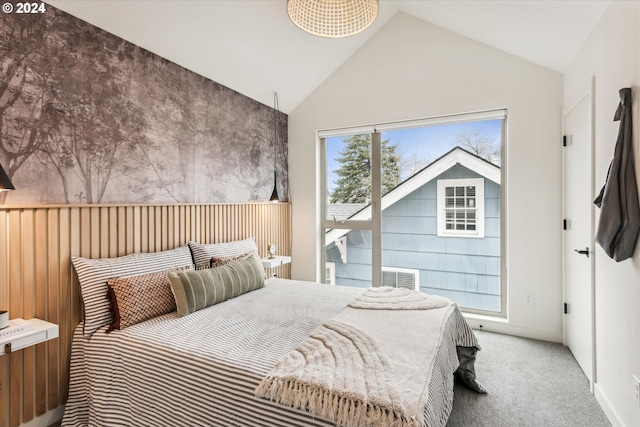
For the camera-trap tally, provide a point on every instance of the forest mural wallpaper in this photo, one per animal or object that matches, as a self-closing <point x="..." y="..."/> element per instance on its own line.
<point x="87" y="117"/>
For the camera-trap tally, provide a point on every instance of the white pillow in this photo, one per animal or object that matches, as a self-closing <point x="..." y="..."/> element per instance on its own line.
<point x="94" y="273"/>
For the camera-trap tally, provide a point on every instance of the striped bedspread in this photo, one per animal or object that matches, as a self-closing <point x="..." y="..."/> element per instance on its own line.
<point x="203" y="369"/>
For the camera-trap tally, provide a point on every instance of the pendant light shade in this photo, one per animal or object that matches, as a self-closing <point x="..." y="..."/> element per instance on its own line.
<point x="5" y="182"/>
<point x="276" y="110"/>
<point x="274" y="196"/>
<point x="333" y="18"/>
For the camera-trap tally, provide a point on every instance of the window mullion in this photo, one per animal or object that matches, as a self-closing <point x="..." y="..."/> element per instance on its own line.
<point x="376" y="215"/>
<point x="321" y="235"/>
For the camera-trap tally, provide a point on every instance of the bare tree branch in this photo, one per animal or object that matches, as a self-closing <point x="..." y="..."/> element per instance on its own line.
<point x="479" y="143"/>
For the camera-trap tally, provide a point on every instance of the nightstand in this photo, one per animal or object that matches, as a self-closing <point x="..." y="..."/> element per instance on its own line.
<point x="42" y="331"/>
<point x="276" y="261"/>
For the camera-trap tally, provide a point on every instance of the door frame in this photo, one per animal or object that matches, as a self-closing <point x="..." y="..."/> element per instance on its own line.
<point x="586" y="91"/>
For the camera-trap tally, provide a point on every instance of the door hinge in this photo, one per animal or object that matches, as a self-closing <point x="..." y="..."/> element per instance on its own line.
<point x="564" y="224"/>
<point x="566" y="308"/>
<point x="564" y="140"/>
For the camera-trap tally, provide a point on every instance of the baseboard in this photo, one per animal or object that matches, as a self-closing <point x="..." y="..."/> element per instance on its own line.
<point x="606" y="407"/>
<point x="502" y="326"/>
<point x="47" y="419"/>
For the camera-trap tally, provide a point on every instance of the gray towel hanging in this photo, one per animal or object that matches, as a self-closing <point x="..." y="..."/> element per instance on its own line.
<point x="619" y="221"/>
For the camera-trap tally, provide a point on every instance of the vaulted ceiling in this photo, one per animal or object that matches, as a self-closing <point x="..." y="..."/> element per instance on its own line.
<point x="252" y="47"/>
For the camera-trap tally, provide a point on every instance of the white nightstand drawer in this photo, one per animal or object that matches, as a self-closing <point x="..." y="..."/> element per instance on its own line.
<point x="276" y="261"/>
<point x="30" y="339"/>
<point x="42" y="332"/>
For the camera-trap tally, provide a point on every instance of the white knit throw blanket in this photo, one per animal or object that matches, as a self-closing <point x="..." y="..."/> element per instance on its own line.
<point x="387" y="298"/>
<point x="363" y="367"/>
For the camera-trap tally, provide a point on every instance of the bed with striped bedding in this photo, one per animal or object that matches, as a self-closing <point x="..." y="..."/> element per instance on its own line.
<point x="203" y="369"/>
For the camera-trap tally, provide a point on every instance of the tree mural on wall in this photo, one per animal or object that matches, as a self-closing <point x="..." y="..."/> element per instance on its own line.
<point x="176" y="149"/>
<point x="88" y="117"/>
<point x="26" y="114"/>
<point x="99" y="126"/>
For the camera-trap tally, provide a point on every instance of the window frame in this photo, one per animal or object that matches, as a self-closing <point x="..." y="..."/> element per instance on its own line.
<point x="373" y="225"/>
<point x="442" y="185"/>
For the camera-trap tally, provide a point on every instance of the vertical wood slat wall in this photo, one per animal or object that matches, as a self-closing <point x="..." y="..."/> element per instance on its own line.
<point x="37" y="279"/>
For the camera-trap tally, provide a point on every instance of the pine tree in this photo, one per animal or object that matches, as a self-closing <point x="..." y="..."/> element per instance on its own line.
<point x="354" y="182"/>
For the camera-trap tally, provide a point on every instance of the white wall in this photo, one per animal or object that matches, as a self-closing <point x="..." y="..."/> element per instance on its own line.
<point x="412" y="69"/>
<point x="612" y="55"/>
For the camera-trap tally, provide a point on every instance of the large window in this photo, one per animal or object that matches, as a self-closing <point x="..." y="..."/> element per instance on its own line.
<point x="418" y="204"/>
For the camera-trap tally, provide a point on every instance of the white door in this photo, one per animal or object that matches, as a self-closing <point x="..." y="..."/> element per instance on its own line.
<point x="578" y="236"/>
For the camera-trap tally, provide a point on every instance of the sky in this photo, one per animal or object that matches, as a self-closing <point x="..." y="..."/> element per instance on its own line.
<point x="426" y="144"/>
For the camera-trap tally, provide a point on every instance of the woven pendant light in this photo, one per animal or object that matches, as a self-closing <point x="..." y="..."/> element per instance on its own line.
<point x="332" y="18"/>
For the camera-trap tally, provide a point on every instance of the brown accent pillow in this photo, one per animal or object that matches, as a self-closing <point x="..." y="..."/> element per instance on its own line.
<point x="217" y="261"/>
<point x="134" y="299"/>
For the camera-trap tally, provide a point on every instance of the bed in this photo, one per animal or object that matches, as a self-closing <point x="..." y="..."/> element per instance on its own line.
<point x="206" y="368"/>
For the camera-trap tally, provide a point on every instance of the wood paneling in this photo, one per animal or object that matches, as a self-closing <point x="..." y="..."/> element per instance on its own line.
<point x="37" y="279"/>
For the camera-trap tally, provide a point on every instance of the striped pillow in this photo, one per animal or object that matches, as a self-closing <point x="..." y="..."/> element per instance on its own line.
<point x="202" y="253"/>
<point x="94" y="273"/>
<point x="195" y="290"/>
<point x="135" y="299"/>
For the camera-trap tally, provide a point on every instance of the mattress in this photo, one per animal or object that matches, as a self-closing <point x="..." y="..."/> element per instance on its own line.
<point x="203" y="369"/>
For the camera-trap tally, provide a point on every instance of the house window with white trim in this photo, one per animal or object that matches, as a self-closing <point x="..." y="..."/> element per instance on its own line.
<point x="395" y="277"/>
<point x="461" y="207"/>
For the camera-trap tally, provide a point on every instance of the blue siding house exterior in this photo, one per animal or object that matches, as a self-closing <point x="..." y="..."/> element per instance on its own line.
<point x="458" y="259"/>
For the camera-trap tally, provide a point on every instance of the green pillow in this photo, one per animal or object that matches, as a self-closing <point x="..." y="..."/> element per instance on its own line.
<point x="197" y="289"/>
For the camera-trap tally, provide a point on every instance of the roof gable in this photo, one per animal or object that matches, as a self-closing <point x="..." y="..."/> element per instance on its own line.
<point x="456" y="156"/>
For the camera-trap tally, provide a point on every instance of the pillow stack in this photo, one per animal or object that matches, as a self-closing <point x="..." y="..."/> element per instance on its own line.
<point x="127" y="290"/>
<point x="93" y="275"/>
